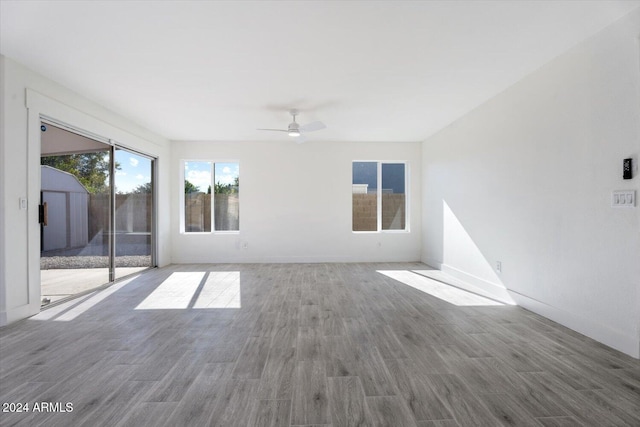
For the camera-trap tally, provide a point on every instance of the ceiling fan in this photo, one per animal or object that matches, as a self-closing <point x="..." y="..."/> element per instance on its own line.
<point x="296" y="131"/>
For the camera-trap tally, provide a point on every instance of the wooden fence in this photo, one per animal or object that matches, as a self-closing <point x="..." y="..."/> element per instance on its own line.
<point x="365" y="212"/>
<point x="197" y="216"/>
<point x="133" y="214"/>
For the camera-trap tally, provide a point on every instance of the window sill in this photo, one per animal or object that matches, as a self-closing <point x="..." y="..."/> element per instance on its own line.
<point x="200" y="233"/>
<point x="382" y="232"/>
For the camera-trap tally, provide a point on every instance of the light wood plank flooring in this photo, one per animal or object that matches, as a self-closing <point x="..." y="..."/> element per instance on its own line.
<point x="305" y="344"/>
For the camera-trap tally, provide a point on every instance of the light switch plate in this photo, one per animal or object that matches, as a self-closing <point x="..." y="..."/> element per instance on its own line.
<point x="623" y="199"/>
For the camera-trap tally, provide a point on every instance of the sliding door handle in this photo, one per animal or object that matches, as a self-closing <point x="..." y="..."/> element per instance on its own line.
<point x="43" y="214"/>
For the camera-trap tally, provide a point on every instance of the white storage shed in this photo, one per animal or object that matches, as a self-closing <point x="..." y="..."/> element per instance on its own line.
<point x="68" y="210"/>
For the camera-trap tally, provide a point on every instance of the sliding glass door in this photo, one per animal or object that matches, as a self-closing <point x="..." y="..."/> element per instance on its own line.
<point x="133" y="213"/>
<point x="96" y="213"/>
<point x="75" y="225"/>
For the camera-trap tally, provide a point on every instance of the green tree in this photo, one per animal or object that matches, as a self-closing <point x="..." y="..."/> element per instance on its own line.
<point x="189" y="187"/>
<point x="146" y="188"/>
<point x="222" y="188"/>
<point x="91" y="169"/>
<point x="227" y="188"/>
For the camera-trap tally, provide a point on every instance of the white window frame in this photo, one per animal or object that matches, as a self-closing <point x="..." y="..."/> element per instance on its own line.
<point x="182" y="198"/>
<point x="379" y="164"/>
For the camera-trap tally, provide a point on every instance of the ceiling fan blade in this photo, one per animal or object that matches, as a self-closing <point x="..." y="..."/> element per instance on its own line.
<point x="312" y="127"/>
<point x="275" y="130"/>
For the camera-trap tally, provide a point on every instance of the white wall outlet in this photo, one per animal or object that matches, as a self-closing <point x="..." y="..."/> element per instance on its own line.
<point x="623" y="199"/>
<point x="499" y="266"/>
<point x="245" y="245"/>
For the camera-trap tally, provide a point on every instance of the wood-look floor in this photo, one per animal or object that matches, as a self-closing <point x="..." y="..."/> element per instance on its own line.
<point x="312" y="345"/>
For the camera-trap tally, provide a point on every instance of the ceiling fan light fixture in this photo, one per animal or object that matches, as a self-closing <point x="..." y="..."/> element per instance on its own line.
<point x="294" y="130"/>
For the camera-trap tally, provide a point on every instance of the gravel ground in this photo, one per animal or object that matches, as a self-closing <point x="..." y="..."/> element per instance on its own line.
<point x="62" y="262"/>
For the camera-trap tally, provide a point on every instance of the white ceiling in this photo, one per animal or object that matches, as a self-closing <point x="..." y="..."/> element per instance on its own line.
<point x="371" y="71"/>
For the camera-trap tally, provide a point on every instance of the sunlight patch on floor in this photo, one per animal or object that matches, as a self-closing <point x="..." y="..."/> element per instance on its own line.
<point x="70" y="310"/>
<point x="221" y="290"/>
<point x="437" y="289"/>
<point x="175" y="292"/>
<point x="183" y="290"/>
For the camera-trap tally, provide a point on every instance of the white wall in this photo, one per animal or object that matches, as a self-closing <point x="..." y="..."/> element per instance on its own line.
<point x="26" y="96"/>
<point x="3" y="223"/>
<point x="526" y="179"/>
<point x="295" y="204"/>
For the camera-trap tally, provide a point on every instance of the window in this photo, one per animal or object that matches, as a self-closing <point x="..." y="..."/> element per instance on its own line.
<point x="379" y="196"/>
<point x="202" y="179"/>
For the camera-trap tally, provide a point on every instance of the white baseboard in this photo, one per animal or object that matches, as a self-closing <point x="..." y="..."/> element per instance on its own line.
<point x="18" y="313"/>
<point x="477" y="285"/>
<point x="288" y="259"/>
<point x="433" y="263"/>
<point x="626" y="343"/>
<point x="613" y="338"/>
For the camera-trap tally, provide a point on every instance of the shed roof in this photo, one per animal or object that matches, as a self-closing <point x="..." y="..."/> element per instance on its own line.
<point x="56" y="180"/>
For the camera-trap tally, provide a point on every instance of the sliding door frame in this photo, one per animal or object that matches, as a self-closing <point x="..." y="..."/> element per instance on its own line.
<point x="96" y="121"/>
<point x="154" y="210"/>
<point x="112" y="241"/>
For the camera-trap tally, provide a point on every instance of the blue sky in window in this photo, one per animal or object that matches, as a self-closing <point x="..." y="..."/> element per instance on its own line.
<point x="134" y="171"/>
<point x="199" y="173"/>
<point x="392" y="176"/>
<point x="366" y="173"/>
<point x="225" y="173"/>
